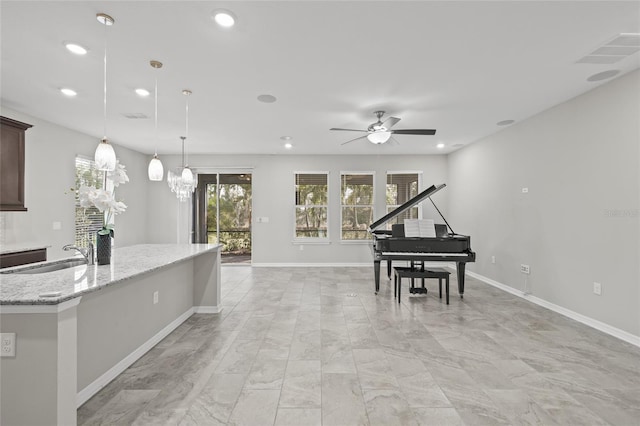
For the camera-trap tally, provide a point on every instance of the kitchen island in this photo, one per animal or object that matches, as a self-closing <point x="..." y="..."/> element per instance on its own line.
<point x="76" y="329"/>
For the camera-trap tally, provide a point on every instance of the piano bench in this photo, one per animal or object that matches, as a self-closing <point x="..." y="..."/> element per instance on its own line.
<point x="404" y="272"/>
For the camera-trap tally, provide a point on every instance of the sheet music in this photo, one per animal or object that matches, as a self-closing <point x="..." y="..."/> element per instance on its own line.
<point x="424" y="228"/>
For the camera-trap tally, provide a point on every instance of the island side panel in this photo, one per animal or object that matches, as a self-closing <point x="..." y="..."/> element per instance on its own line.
<point x="207" y="282"/>
<point x="115" y="323"/>
<point x="38" y="385"/>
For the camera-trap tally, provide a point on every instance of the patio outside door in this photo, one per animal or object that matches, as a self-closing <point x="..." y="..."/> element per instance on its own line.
<point x="222" y="214"/>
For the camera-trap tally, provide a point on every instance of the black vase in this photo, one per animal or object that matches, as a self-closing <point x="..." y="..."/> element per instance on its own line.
<point x="103" y="249"/>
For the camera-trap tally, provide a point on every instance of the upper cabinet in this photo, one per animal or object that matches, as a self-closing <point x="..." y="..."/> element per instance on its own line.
<point x="12" y="165"/>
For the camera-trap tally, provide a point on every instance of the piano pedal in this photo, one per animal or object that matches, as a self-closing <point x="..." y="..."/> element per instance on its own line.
<point x="417" y="290"/>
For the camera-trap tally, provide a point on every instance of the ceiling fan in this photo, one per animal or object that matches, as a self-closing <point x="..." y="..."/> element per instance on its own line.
<point x="380" y="131"/>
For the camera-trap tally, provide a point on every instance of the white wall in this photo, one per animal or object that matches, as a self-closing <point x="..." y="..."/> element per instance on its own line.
<point x="273" y="197"/>
<point x="50" y="152"/>
<point x="579" y="223"/>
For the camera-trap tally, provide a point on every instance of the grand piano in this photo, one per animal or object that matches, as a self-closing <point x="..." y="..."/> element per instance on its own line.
<point x="392" y="245"/>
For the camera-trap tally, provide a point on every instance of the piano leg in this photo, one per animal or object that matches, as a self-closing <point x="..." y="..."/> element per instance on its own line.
<point x="389" y="268"/>
<point x="460" y="270"/>
<point x="376" y="273"/>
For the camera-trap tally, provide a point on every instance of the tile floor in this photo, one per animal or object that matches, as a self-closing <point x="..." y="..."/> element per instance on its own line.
<point x="315" y="346"/>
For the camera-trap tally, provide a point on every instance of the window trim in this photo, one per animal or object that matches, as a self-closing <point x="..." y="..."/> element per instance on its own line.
<point x="312" y="240"/>
<point x="371" y="173"/>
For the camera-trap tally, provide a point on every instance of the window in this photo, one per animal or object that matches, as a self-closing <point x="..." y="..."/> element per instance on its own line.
<point x="89" y="220"/>
<point x="312" y="206"/>
<point x="401" y="187"/>
<point x="356" y="205"/>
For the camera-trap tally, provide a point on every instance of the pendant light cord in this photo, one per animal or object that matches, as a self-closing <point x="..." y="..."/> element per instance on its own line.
<point x="186" y="131"/>
<point x="105" y="80"/>
<point x="156" y="116"/>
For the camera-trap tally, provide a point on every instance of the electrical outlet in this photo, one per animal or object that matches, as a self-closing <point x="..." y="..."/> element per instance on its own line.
<point x="493" y="259"/>
<point x="8" y="348"/>
<point x="155" y="297"/>
<point x="525" y="269"/>
<point x="597" y="288"/>
<point x="525" y="190"/>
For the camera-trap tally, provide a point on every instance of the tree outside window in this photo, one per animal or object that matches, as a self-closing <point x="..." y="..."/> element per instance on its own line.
<point x="356" y="205"/>
<point x="312" y="206"/>
<point x="401" y="187"/>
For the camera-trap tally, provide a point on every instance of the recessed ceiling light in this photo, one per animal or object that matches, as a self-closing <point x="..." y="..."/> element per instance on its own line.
<point x="68" y="92"/>
<point x="440" y="145"/>
<point x="288" y="145"/>
<point x="224" y="18"/>
<point x="267" y="99"/>
<point x="603" y="75"/>
<point x="142" y="92"/>
<point x="505" y="122"/>
<point x="76" y="48"/>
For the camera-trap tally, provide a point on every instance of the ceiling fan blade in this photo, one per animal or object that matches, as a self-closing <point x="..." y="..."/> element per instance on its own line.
<point x="352" y="140"/>
<point x="348" y="130"/>
<point x="390" y="122"/>
<point x="413" y="131"/>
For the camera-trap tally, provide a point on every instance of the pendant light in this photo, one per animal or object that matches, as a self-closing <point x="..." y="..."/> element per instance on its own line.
<point x="156" y="171"/>
<point x="187" y="174"/>
<point x="182" y="181"/>
<point x="105" y="156"/>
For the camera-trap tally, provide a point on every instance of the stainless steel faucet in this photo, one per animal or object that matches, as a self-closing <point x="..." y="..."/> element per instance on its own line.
<point x="86" y="253"/>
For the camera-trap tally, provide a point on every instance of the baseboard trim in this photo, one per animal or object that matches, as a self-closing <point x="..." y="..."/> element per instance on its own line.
<point x="593" y="323"/>
<point x="85" y="394"/>
<point x="207" y="309"/>
<point x="311" y="265"/>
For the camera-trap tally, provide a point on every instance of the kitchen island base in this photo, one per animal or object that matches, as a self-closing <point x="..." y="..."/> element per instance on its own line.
<point x="67" y="352"/>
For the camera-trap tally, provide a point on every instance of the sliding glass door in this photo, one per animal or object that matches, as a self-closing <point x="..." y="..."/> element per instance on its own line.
<point x="222" y="214"/>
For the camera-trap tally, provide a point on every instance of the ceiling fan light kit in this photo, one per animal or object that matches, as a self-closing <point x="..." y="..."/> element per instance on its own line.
<point x="380" y="131"/>
<point x="378" y="137"/>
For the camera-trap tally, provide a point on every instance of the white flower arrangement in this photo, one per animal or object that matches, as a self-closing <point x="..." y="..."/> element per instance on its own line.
<point x="104" y="200"/>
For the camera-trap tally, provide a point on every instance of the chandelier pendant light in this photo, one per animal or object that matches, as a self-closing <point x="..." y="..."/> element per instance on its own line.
<point x="183" y="181"/>
<point x="105" y="156"/>
<point x="156" y="171"/>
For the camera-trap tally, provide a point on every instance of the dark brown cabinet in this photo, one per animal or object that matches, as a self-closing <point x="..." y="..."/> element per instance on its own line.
<point x="12" y="164"/>
<point x="18" y="258"/>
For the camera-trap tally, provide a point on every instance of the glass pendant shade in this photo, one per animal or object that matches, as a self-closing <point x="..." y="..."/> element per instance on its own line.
<point x="105" y="156"/>
<point x="156" y="171"/>
<point x="182" y="180"/>
<point x="187" y="176"/>
<point x="182" y="189"/>
<point x="378" y="137"/>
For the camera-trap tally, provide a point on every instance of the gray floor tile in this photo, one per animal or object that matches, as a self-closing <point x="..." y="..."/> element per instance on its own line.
<point x="310" y="346"/>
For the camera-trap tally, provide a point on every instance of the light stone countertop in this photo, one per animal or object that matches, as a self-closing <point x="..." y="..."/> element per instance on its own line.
<point x="126" y="263"/>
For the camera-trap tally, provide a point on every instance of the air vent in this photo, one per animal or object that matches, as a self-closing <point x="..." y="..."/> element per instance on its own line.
<point x="135" y="115"/>
<point x="618" y="48"/>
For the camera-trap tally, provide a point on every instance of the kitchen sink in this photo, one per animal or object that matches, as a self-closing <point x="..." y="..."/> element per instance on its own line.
<point x="47" y="267"/>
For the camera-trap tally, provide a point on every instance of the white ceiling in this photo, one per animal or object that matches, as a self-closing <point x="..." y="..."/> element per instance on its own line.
<point x="458" y="67"/>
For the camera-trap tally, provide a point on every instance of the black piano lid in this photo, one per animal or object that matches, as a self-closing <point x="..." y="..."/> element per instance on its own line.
<point x="406" y="206"/>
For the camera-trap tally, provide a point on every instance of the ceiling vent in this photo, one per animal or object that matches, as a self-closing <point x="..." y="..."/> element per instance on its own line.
<point x="135" y="115"/>
<point x="620" y="47"/>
